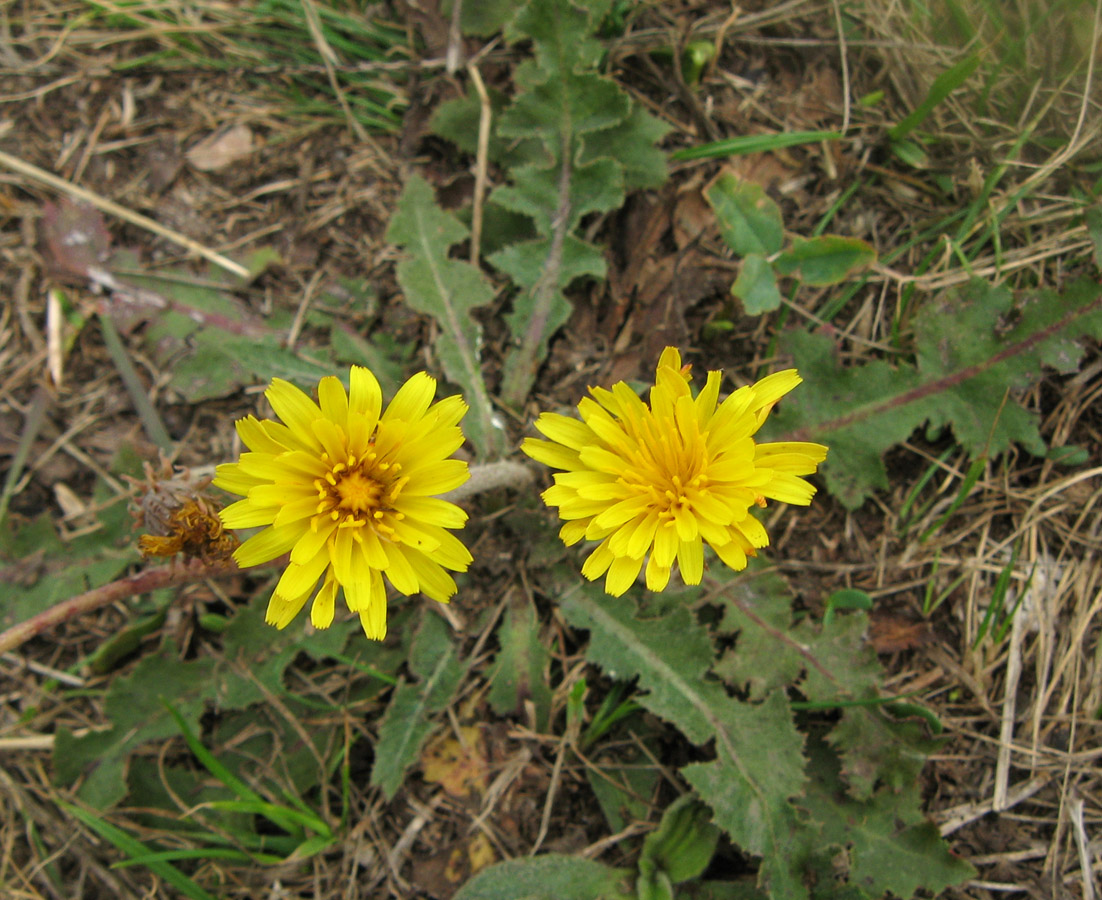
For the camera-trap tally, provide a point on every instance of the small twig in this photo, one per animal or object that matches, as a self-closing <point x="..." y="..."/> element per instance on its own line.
<point x="1082" y="844"/>
<point x="845" y="65"/>
<point x="304" y="305"/>
<point x="569" y="741"/>
<point x="454" y="51"/>
<point x="130" y="586"/>
<point x="481" y="161"/>
<point x="114" y="209"/>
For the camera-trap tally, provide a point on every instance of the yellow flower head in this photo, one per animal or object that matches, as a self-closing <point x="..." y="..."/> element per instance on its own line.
<point x="652" y="483"/>
<point x="347" y="487"/>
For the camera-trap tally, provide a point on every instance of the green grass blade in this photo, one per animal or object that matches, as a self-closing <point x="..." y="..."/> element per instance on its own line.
<point x="277" y="815"/>
<point x="753" y="143"/>
<point x="200" y="854"/>
<point x="210" y="762"/>
<point x="285" y="818"/>
<point x="134" y="848"/>
<point x="947" y="82"/>
<point x="970" y="479"/>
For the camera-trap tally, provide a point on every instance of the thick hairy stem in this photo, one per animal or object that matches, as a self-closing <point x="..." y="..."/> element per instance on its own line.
<point x="490" y="477"/>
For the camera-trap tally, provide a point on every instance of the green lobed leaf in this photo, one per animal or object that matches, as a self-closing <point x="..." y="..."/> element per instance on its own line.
<point x="758" y="768"/>
<point x="519" y="671"/>
<point x="448" y="290"/>
<point x="891" y="846"/>
<point x="760" y="663"/>
<point x="876" y="750"/>
<point x="634" y="146"/>
<point x="670" y="672"/>
<point x="829" y="259"/>
<point x="407" y="723"/>
<point x="748" y="220"/>
<point x="976" y="349"/>
<point x="831" y="394"/>
<point x="759" y="761"/>
<point x="833" y="666"/>
<point x="756" y="285"/>
<point x="548" y="877"/>
<point x="575" y="143"/>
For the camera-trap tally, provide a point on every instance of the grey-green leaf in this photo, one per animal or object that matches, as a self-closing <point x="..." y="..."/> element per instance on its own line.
<point x="549" y="877"/>
<point x="448" y="290"/>
<point x="748" y="220"/>
<point x="756" y="286"/>
<point x="824" y="260"/>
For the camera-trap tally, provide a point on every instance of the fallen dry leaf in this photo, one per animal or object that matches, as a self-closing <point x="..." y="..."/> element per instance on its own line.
<point x="222" y="148"/>
<point x="457" y="767"/>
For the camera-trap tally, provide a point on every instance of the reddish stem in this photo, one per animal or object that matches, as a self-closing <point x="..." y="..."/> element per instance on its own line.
<point x="130" y="586"/>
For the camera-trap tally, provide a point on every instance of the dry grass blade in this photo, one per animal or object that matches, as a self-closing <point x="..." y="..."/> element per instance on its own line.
<point x="115" y="209"/>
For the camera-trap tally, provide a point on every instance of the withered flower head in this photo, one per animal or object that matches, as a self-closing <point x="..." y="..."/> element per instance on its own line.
<point x="178" y="517"/>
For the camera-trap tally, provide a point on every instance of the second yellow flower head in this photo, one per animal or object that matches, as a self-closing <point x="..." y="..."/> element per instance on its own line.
<point x="653" y="483"/>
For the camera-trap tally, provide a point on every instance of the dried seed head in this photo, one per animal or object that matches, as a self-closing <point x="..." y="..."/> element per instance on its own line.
<point x="178" y="517"/>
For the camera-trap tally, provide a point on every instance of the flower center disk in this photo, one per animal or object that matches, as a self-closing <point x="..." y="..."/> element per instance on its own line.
<point x="358" y="491"/>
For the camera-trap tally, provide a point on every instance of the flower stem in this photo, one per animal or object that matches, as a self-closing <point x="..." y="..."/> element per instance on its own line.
<point x="491" y="476"/>
<point x="130" y="586"/>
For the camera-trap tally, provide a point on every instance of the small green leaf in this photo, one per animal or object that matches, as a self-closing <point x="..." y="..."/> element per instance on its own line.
<point x="623" y="785"/>
<point x="825" y="260"/>
<point x="891" y="846"/>
<point x="1068" y="455"/>
<point x="756" y="286"/>
<point x="486" y="17"/>
<point x="519" y="671"/>
<point x="682" y="845"/>
<point x="695" y="56"/>
<point x="748" y="220"/>
<point x="911" y="154"/>
<point x="548" y="877"/>
<point x="846" y="598"/>
<point x="116" y="648"/>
